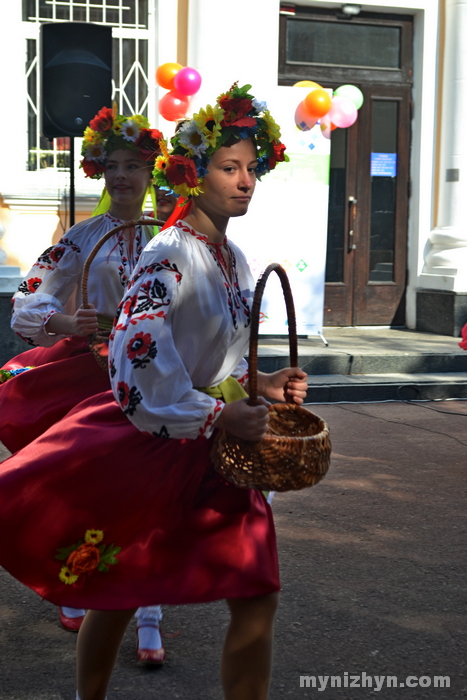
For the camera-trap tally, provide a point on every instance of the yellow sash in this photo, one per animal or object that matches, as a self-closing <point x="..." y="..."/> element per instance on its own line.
<point x="228" y="391"/>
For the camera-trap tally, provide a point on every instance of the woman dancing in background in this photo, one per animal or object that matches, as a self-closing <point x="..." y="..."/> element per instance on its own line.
<point x="47" y="308"/>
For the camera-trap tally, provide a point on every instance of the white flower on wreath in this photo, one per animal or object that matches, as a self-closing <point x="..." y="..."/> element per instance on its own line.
<point x="130" y="130"/>
<point x="258" y="105"/>
<point x="95" y="151"/>
<point x="192" y="138"/>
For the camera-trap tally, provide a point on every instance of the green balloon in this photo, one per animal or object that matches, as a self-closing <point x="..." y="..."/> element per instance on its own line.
<point x="352" y="92"/>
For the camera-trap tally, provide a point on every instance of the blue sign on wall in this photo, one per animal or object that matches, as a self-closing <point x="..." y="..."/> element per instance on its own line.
<point x="383" y="165"/>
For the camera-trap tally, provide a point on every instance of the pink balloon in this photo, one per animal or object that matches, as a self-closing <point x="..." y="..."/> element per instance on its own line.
<point x="343" y="112"/>
<point x="187" y="81"/>
<point x="325" y="126"/>
<point x="173" y="106"/>
<point x="303" y="119"/>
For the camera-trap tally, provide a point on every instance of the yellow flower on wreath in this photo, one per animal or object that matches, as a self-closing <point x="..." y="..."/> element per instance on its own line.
<point x="161" y="162"/>
<point x="66" y="576"/>
<point x="93" y="536"/>
<point x="91" y="137"/>
<point x="272" y="126"/>
<point x="140" y="120"/>
<point x="186" y="191"/>
<point x="210" y="114"/>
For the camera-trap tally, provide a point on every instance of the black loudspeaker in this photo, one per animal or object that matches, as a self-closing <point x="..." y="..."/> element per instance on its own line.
<point x="76" y="75"/>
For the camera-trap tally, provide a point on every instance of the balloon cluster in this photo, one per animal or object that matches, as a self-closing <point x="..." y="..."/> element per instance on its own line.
<point x="340" y="110"/>
<point x="182" y="83"/>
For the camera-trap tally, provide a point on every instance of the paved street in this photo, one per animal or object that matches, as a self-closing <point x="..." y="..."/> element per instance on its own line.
<point x="373" y="575"/>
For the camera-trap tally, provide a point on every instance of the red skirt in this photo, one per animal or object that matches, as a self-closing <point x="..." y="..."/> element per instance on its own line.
<point x="31" y="402"/>
<point x="96" y="514"/>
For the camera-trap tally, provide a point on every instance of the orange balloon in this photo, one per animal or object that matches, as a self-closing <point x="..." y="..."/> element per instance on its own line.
<point x="317" y="103"/>
<point x="166" y="73"/>
<point x="307" y="83"/>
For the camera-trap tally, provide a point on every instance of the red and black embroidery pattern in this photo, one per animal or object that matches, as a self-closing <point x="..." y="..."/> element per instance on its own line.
<point x="150" y="298"/>
<point x="235" y="299"/>
<point x="211" y="417"/>
<point x="141" y="350"/>
<point x="30" y="285"/>
<point x="127" y="398"/>
<point x="129" y="258"/>
<point x="52" y="256"/>
<point x="163" y="433"/>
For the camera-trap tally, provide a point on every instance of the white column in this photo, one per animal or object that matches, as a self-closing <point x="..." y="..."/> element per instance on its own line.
<point x="446" y="259"/>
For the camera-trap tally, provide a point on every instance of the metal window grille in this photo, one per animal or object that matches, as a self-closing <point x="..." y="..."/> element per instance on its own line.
<point x="130" y="71"/>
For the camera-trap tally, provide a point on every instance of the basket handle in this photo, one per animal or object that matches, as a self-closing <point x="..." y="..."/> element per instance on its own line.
<point x="254" y="327"/>
<point x="99" y="244"/>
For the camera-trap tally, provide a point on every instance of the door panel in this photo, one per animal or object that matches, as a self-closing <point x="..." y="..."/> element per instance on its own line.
<point x="366" y="265"/>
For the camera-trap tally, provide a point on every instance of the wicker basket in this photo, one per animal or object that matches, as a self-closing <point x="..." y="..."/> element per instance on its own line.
<point x="296" y="450"/>
<point x="98" y="342"/>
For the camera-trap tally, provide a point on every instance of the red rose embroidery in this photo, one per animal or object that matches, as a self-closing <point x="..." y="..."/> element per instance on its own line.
<point x="33" y="284"/>
<point x="84" y="559"/>
<point x="140" y="344"/>
<point x="123" y="391"/>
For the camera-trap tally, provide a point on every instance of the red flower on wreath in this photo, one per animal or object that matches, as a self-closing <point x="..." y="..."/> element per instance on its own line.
<point x="182" y="170"/>
<point x="33" y="284"/>
<point x="84" y="559"/>
<point x="235" y="108"/>
<point x="92" y="167"/>
<point x="140" y="344"/>
<point x="279" y="155"/>
<point x="103" y="120"/>
<point x="148" y="143"/>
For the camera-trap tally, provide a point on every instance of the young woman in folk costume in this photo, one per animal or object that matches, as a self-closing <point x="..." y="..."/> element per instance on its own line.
<point x="178" y="374"/>
<point x="47" y="309"/>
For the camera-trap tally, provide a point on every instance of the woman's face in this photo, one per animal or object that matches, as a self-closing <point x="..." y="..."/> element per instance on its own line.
<point x="127" y="177"/>
<point x="230" y="183"/>
<point x="165" y="203"/>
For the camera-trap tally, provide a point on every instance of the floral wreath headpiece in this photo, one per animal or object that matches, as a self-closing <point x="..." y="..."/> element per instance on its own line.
<point x="236" y="114"/>
<point x="109" y="131"/>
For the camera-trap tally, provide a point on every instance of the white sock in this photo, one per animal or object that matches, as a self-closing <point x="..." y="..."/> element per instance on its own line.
<point x="73" y="612"/>
<point x="147" y="624"/>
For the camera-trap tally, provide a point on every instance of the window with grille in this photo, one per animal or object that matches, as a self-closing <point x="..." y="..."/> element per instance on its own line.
<point x="132" y="88"/>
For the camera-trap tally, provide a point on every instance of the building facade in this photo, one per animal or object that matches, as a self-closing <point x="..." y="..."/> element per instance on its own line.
<point x="395" y="235"/>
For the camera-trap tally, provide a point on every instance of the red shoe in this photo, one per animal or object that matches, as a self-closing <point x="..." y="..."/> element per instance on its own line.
<point x="72" y="624"/>
<point x="149" y="657"/>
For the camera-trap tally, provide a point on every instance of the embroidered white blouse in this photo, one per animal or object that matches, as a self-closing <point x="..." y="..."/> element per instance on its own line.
<point x="184" y="323"/>
<point x="53" y="284"/>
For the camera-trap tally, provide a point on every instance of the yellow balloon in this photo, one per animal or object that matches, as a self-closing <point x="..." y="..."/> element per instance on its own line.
<point x="307" y="83"/>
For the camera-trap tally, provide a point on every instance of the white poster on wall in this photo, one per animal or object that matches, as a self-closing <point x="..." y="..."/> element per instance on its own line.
<point x="287" y="221"/>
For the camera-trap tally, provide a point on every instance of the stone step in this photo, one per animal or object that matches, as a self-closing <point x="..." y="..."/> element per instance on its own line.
<point x="386" y="387"/>
<point x="270" y="360"/>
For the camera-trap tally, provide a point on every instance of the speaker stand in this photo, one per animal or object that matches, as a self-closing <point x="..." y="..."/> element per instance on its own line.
<point x="72" y="181"/>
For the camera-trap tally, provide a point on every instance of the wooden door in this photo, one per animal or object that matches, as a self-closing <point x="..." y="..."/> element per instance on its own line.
<point x="367" y="225"/>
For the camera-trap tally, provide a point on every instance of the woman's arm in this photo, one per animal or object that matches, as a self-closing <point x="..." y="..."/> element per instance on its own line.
<point x="284" y="384"/>
<point x="44" y="293"/>
<point x="82" y="323"/>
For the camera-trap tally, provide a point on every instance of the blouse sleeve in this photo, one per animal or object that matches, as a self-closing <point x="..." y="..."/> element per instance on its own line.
<point x="240" y="373"/>
<point x="45" y="291"/>
<point x="149" y="379"/>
